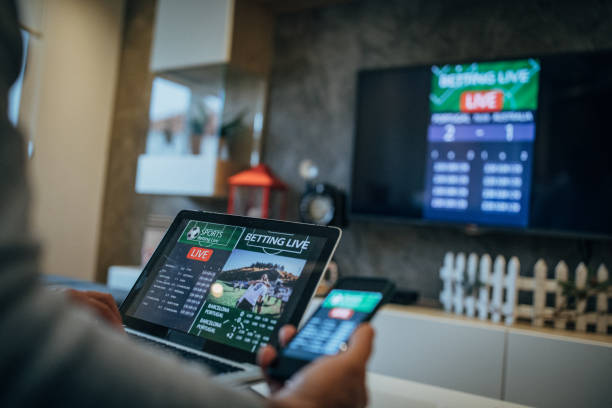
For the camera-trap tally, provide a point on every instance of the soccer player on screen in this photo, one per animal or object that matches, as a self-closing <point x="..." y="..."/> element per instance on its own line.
<point x="252" y="299"/>
<point x="284" y="299"/>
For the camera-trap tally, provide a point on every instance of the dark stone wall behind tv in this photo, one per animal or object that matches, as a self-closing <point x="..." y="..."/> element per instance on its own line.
<point x="312" y="99"/>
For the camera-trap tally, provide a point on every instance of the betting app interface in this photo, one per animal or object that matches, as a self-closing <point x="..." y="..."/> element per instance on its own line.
<point x="329" y="329"/>
<point x="480" y="142"/>
<point x="227" y="283"/>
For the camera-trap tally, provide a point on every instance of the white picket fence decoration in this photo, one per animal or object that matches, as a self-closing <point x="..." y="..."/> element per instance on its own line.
<point x="458" y="273"/>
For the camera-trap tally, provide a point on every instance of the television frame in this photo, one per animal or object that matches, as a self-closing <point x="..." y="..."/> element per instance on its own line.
<point x="467" y="227"/>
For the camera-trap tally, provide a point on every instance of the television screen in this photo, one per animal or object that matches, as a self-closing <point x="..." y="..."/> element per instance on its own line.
<point x="514" y="143"/>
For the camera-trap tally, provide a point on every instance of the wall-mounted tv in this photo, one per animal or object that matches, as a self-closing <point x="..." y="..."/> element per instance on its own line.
<point x="520" y="143"/>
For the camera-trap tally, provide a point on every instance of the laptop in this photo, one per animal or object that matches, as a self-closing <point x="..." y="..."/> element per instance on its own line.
<point x="219" y="286"/>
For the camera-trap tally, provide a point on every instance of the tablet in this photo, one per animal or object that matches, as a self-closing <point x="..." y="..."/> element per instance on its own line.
<point x="225" y="284"/>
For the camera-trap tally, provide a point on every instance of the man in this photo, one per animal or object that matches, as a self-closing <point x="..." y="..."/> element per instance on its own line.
<point x="261" y="299"/>
<point x="252" y="299"/>
<point x="54" y="353"/>
<point x="276" y="290"/>
<point x="285" y="298"/>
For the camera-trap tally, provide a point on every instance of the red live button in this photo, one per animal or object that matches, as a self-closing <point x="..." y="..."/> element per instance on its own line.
<point x="199" y="254"/>
<point x="341" y="313"/>
<point x="482" y="101"/>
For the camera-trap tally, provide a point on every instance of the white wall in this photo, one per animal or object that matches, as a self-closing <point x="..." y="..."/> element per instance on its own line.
<point x="67" y="107"/>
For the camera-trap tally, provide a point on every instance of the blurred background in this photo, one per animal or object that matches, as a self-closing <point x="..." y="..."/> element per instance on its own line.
<point x="442" y="136"/>
<point x="136" y="109"/>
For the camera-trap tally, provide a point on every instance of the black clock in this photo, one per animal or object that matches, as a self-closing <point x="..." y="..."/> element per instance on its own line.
<point x="323" y="204"/>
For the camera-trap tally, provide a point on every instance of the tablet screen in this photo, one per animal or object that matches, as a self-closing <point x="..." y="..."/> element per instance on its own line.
<point x="226" y="283"/>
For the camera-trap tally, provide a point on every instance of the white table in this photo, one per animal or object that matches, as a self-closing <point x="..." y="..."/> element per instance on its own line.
<point x="391" y="392"/>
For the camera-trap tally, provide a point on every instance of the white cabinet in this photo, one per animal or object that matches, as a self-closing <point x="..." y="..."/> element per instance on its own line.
<point x="201" y="33"/>
<point x="211" y="59"/>
<point x="194" y="32"/>
<point x="448" y="355"/>
<point x="179" y="175"/>
<point x="549" y="371"/>
<point x="522" y="366"/>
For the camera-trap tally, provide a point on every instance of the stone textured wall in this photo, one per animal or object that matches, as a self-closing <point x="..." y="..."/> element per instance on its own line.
<point x="312" y="98"/>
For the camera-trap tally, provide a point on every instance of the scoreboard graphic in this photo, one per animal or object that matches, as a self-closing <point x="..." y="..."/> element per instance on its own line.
<point x="480" y="142"/>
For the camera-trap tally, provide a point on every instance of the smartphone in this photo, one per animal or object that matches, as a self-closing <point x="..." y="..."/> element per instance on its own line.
<point x="350" y="302"/>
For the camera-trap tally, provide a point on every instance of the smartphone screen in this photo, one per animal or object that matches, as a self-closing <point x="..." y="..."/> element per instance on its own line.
<point x="327" y="332"/>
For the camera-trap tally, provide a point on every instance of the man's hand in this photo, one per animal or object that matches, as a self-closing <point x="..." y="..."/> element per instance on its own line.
<point x="330" y="381"/>
<point x="102" y="304"/>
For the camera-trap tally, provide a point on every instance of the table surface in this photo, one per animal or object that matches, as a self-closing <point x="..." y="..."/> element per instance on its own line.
<point x="391" y="392"/>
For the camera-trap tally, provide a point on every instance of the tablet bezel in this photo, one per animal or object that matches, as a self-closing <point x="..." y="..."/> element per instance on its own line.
<point x="331" y="234"/>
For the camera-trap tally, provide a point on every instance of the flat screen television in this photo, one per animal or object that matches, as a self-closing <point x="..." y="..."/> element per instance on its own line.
<point x="518" y="143"/>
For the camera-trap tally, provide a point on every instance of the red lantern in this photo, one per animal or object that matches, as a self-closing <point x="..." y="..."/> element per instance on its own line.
<point x="256" y="192"/>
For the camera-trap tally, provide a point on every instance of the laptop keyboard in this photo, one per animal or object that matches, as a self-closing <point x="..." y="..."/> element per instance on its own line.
<point x="215" y="366"/>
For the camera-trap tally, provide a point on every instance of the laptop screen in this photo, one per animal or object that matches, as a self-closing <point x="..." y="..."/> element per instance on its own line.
<point x="226" y="283"/>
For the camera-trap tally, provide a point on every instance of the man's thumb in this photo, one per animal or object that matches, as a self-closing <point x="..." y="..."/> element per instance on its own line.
<point x="360" y="345"/>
